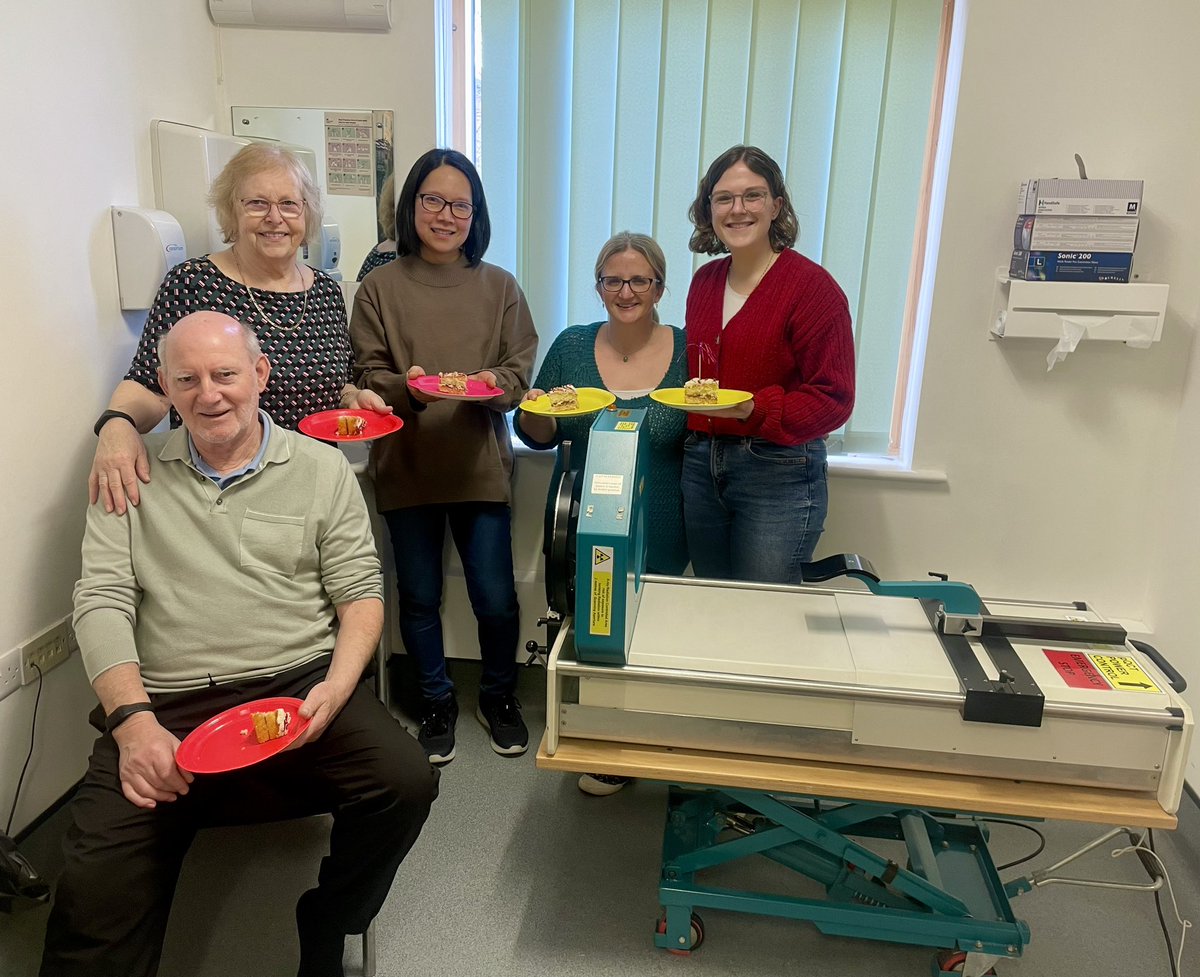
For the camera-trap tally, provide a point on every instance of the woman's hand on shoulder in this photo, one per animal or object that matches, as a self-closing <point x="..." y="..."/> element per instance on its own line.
<point x="119" y="465"/>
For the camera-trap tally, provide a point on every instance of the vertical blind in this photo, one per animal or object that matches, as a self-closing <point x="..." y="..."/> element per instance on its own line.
<point x="602" y="115"/>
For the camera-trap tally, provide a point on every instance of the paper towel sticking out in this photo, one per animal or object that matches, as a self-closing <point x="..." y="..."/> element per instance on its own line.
<point x="1141" y="332"/>
<point x="1073" y="330"/>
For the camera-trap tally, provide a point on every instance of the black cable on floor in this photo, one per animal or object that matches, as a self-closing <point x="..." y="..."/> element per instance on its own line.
<point x="1158" y="908"/>
<point x="29" y="756"/>
<point x="1028" y="827"/>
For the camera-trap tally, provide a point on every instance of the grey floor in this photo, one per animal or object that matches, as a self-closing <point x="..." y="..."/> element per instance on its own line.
<point x="519" y="874"/>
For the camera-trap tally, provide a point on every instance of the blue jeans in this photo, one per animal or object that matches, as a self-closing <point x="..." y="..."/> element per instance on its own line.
<point x="753" y="509"/>
<point x="482" y="534"/>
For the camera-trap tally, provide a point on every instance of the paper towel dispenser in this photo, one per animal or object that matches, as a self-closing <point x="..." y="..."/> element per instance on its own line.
<point x="148" y="244"/>
<point x="1125" y="312"/>
<point x="326" y="15"/>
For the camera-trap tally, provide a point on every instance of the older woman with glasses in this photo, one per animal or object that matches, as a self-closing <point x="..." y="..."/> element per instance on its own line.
<point x="767" y="320"/>
<point x="439" y="308"/>
<point x="267" y="206"/>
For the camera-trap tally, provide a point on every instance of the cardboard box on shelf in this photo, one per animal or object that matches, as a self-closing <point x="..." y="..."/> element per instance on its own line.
<point x="1071" y="266"/>
<point x="1088" y="198"/>
<point x="1050" y="232"/>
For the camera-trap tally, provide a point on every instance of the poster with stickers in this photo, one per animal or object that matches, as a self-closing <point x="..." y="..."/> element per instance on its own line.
<point x="350" y="154"/>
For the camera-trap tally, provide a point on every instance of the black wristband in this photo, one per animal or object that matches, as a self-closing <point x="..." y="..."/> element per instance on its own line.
<point x="121" y="713"/>
<point x="108" y="415"/>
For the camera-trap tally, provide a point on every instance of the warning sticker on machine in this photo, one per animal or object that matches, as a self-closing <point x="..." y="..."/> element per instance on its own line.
<point x="625" y="426"/>
<point x="1124" y="674"/>
<point x="607" y="484"/>
<point x="1076" y="669"/>
<point x="600" y="616"/>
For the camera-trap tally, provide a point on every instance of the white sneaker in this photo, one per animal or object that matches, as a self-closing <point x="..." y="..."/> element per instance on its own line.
<point x="601" y="784"/>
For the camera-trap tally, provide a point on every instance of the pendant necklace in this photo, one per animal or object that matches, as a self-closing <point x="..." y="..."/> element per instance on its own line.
<point x="258" y="308"/>
<point x="625" y="356"/>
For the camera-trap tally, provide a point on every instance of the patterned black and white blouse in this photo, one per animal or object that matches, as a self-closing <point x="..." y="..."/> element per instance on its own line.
<point x="373" y="260"/>
<point x="310" y="357"/>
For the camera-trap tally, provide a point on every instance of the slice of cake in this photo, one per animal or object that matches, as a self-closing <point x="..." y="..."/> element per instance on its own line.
<point x="565" y="397"/>
<point x="700" y="391"/>
<point x="270" y="725"/>
<point x="350" y="425"/>
<point x="452" y="383"/>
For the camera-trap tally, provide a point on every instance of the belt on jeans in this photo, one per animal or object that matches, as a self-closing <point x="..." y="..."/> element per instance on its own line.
<point x="750" y="437"/>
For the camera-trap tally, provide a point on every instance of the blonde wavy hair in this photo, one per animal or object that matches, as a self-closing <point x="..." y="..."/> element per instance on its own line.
<point x="260" y="157"/>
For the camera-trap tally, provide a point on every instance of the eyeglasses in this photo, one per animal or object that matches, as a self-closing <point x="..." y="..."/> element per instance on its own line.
<point x="257" y="207"/>
<point x="435" y="205"/>
<point x="755" y="199"/>
<point x="638" y="284"/>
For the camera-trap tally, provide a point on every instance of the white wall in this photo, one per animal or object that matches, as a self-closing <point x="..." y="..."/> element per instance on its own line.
<point x="1076" y="484"/>
<point x="1079" y="483"/>
<point x="310" y="69"/>
<point x="82" y="81"/>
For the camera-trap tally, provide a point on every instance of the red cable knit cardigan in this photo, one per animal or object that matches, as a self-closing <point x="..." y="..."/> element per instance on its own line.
<point x="791" y="345"/>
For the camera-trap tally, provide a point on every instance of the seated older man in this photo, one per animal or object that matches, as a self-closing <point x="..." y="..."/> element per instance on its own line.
<point x="248" y="571"/>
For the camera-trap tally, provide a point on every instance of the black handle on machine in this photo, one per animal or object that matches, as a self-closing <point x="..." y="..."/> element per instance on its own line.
<point x="1178" y="682"/>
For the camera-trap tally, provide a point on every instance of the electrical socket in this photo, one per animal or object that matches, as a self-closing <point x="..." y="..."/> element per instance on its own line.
<point x="10" y="672"/>
<point x="48" y="650"/>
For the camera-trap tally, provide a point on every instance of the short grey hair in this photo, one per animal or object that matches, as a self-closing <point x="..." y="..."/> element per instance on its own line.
<point x="253" y="347"/>
<point x="250" y="161"/>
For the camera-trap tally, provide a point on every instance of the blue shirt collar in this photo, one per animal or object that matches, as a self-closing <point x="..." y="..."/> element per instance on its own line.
<point x="223" y="481"/>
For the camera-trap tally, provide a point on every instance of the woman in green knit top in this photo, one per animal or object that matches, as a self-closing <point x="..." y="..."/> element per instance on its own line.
<point x="628" y="354"/>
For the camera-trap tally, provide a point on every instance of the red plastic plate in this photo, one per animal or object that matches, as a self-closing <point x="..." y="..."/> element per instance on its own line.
<point x="226" y="742"/>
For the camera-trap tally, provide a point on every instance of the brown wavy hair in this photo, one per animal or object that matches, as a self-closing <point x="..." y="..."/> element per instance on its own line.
<point x="785" y="228"/>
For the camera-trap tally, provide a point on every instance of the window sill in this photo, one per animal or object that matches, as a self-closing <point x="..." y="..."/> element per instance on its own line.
<point x="866" y="466"/>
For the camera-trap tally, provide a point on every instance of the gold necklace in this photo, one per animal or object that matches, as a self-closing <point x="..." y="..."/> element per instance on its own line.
<point x="774" y="255"/>
<point x="258" y="308"/>
<point x="761" y="276"/>
<point x="625" y="356"/>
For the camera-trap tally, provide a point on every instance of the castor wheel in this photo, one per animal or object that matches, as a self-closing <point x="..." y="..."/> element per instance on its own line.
<point x="695" y="934"/>
<point x="952" y="962"/>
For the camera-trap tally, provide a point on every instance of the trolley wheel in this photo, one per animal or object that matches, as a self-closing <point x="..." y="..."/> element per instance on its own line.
<point x="696" y="934"/>
<point x="953" y="961"/>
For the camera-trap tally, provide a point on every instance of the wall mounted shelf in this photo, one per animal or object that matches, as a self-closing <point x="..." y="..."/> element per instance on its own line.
<point x="1128" y="313"/>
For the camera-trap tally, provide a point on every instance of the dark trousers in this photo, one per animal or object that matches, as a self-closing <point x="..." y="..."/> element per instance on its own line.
<point x="122" y="862"/>
<point x="482" y="533"/>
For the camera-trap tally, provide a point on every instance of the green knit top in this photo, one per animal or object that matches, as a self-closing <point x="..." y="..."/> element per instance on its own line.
<point x="572" y="359"/>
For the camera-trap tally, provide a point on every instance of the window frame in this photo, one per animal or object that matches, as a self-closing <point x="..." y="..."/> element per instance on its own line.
<point x="459" y="88"/>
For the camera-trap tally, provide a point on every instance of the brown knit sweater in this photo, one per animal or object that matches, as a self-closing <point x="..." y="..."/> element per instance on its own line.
<point x="441" y="318"/>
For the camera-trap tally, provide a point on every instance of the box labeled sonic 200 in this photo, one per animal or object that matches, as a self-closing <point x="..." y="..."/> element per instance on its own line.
<point x="1087" y="198"/>
<point x="1071" y="266"/>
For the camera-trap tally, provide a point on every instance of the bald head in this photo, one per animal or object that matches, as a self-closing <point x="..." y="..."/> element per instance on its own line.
<point x="205" y="321"/>
<point x="212" y="370"/>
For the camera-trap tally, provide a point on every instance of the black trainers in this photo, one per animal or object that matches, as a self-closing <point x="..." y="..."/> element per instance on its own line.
<point x="502" y="716"/>
<point x="437" y="728"/>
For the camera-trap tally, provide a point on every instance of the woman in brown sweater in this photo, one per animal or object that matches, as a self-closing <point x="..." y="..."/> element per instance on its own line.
<point x="440" y="308"/>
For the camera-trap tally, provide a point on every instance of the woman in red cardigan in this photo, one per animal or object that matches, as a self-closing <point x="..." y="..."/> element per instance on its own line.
<point x="767" y="320"/>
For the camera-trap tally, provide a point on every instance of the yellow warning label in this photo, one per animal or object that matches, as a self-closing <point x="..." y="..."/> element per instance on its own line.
<point x="626" y="425"/>
<point x="600" y="616"/>
<point x="1124" y="674"/>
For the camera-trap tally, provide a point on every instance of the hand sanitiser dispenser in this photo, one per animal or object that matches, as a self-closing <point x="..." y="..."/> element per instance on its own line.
<point x="148" y="244"/>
